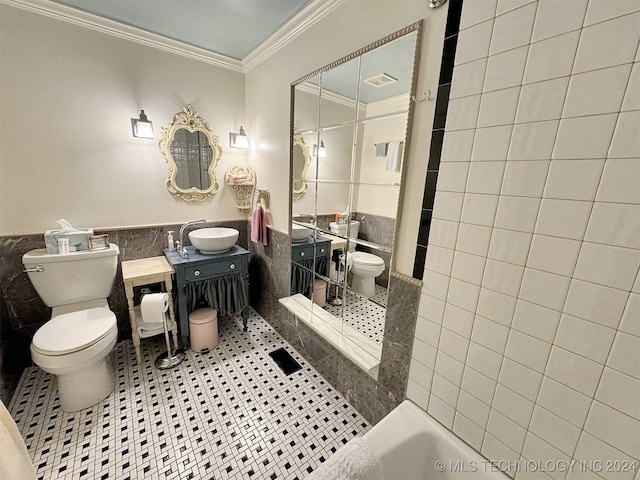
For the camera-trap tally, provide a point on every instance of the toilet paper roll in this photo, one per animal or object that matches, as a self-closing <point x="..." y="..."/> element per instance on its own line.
<point x="153" y="306"/>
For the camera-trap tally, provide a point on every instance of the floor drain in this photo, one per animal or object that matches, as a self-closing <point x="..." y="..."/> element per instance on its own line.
<point x="285" y="361"/>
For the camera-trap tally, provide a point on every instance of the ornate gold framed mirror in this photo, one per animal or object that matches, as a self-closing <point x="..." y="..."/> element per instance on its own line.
<point x="192" y="152"/>
<point x="300" y="165"/>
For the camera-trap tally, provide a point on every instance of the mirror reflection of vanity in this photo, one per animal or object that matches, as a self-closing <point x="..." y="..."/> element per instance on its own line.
<point x="192" y="152"/>
<point x="308" y="256"/>
<point x="348" y="131"/>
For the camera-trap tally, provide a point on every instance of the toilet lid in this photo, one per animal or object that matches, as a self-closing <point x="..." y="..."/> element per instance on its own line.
<point x="367" y="258"/>
<point x="74" y="331"/>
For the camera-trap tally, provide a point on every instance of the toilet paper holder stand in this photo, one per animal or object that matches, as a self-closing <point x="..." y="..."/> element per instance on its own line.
<point x="170" y="358"/>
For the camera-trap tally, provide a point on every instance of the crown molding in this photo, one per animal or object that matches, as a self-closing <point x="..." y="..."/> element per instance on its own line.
<point x="398" y="103"/>
<point x="310" y="15"/>
<point x="120" y="30"/>
<point x="294" y="27"/>
<point x="312" y="89"/>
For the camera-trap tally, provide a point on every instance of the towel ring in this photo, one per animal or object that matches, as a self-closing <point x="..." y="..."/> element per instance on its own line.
<point x="264" y="197"/>
<point x="425" y="96"/>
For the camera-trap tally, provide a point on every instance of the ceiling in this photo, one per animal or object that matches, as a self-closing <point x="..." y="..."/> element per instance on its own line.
<point x="232" y="28"/>
<point x="235" y="34"/>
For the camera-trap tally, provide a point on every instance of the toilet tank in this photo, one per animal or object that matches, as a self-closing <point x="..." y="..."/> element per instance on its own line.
<point x="341" y="229"/>
<point x="65" y="278"/>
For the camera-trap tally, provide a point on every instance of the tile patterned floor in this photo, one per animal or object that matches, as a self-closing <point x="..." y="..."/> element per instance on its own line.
<point x="365" y="315"/>
<point x="380" y="297"/>
<point x="227" y="414"/>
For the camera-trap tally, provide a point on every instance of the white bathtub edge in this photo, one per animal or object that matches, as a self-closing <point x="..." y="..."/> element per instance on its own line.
<point x="408" y="420"/>
<point x="403" y="422"/>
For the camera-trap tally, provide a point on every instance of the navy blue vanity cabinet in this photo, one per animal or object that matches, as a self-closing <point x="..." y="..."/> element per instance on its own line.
<point x="223" y="278"/>
<point x="308" y="257"/>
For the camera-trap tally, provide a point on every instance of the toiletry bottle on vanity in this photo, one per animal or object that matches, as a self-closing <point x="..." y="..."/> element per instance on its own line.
<point x="170" y="243"/>
<point x="63" y="245"/>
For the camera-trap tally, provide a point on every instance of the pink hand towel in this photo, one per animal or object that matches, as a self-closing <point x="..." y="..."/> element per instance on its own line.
<point x="256" y="227"/>
<point x="259" y="225"/>
<point x="263" y="224"/>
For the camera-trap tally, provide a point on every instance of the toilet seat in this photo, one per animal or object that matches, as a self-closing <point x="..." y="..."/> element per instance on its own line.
<point x="367" y="259"/>
<point x="367" y="262"/>
<point x="75" y="331"/>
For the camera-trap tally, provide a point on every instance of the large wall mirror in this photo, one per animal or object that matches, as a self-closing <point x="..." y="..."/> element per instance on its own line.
<point x="350" y="122"/>
<point x="192" y="152"/>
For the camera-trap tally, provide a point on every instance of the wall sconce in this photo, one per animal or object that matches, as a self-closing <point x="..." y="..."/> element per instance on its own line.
<point x="142" y="127"/>
<point x="238" y="140"/>
<point x="320" y="152"/>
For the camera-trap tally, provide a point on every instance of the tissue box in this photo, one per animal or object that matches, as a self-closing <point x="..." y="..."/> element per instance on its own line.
<point x="78" y="240"/>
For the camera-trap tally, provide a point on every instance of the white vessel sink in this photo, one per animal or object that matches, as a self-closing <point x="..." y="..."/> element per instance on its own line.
<point x="214" y="239"/>
<point x="299" y="233"/>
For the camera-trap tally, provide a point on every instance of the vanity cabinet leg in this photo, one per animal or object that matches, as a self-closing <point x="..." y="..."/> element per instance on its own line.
<point x="174" y="325"/>
<point x="245" y="310"/>
<point x="172" y="317"/>
<point x="183" y="316"/>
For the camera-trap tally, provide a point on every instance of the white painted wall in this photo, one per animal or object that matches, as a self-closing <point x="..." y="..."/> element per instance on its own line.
<point x="66" y="148"/>
<point x="344" y="30"/>
<point x="324" y="198"/>
<point x="375" y="199"/>
<point x="332" y="198"/>
<point x="79" y="88"/>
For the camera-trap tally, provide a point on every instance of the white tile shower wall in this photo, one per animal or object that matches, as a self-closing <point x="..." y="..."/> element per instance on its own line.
<point x="528" y="338"/>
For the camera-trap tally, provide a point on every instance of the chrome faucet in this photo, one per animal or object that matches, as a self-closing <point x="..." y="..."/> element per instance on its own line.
<point x="180" y="248"/>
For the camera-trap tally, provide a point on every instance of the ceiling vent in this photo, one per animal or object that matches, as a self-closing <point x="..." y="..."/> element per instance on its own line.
<point x="381" y="80"/>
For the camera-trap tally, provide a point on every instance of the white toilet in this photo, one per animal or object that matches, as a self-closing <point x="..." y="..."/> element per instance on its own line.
<point x="364" y="267"/>
<point x="364" y="270"/>
<point x="75" y="344"/>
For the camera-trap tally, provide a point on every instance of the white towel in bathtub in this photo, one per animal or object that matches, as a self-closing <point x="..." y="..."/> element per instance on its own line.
<point x="354" y="461"/>
<point x="14" y="459"/>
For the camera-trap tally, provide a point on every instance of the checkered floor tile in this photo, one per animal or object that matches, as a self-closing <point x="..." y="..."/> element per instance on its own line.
<point x="365" y="315"/>
<point x="227" y="414"/>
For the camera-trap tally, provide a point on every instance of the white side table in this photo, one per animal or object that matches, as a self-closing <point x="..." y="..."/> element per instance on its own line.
<point x="146" y="271"/>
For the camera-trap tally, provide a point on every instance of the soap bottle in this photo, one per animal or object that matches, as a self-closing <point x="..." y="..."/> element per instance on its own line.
<point x="170" y="243"/>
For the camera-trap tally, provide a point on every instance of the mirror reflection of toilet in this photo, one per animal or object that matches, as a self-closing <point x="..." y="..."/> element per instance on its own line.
<point x="363" y="267"/>
<point x="364" y="270"/>
<point x="75" y="345"/>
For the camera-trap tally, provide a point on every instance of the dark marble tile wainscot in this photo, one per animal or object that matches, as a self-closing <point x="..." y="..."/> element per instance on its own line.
<point x="22" y="311"/>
